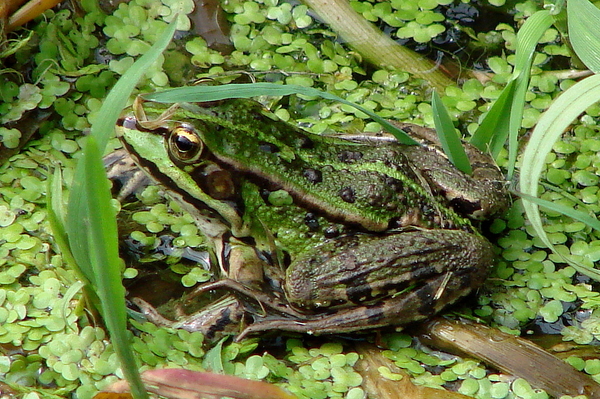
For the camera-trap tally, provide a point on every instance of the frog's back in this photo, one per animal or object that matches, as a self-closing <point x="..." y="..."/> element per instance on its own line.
<point x="375" y="187"/>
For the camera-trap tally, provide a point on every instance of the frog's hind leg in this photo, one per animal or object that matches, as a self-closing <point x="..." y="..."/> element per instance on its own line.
<point x="417" y="304"/>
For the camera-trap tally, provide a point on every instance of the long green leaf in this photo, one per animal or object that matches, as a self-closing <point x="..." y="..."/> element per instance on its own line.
<point x="493" y="130"/>
<point x="57" y="219"/>
<point x="527" y="38"/>
<point x="549" y="128"/>
<point x="102" y="129"/>
<point x="104" y="260"/>
<point x="584" y="217"/>
<point x="583" y="19"/>
<point x="216" y="93"/>
<point x="450" y="141"/>
<point x="91" y="224"/>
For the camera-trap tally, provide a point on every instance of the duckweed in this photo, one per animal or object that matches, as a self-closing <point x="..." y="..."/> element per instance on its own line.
<point x="39" y="314"/>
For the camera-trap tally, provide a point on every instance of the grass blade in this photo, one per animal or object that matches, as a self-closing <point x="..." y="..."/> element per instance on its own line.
<point x="512" y="98"/>
<point x="527" y="39"/>
<point x="57" y="219"/>
<point x="549" y="128"/>
<point x="450" y="141"/>
<point x="584" y="217"/>
<point x="493" y="130"/>
<point x="105" y="263"/>
<point x="246" y="90"/>
<point x="583" y="19"/>
<point x="91" y="224"/>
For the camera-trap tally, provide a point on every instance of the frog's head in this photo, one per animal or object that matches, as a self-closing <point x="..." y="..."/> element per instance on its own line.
<point x="171" y="151"/>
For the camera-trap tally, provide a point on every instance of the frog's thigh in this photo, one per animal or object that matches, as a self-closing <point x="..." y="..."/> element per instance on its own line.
<point x="355" y="270"/>
<point x="415" y="305"/>
<point x="465" y="260"/>
<point x="420" y="303"/>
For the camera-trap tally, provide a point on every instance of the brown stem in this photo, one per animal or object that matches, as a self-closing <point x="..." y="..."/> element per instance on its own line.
<point x="29" y="11"/>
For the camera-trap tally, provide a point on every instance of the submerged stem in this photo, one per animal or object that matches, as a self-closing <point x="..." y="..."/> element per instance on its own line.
<point x="374" y="45"/>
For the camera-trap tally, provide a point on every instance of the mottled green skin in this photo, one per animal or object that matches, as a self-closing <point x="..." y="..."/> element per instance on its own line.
<point x="369" y="237"/>
<point x="380" y="183"/>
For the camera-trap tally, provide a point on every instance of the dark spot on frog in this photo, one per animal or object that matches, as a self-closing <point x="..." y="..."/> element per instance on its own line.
<point x="219" y="324"/>
<point x="265" y="256"/>
<point x="218" y="184"/>
<point x="349" y="156"/>
<point x="427" y="210"/>
<point x="358" y="290"/>
<point x="355" y="288"/>
<point x="394" y="184"/>
<point x="390" y="206"/>
<point x="465" y="207"/>
<point x="331" y="232"/>
<point x="313" y="175"/>
<point x="374" y="199"/>
<point x="408" y="129"/>
<point x="426" y="295"/>
<point x="394" y="223"/>
<point x="269" y="148"/>
<point x="250" y="241"/>
<point x="305" y="143"/>
<point x="311" y="221"/>
<point x="347" y="194"/>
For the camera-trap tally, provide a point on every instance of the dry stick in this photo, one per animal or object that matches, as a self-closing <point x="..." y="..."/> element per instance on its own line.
<point x="29" y="11"/>
<point x="511" y="355"/>
<point x="7" y="7"/>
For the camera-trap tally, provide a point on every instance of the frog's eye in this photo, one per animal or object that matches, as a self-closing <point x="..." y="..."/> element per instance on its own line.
<point x="184" y="145"/>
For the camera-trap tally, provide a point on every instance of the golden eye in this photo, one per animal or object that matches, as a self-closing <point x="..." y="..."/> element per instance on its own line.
<point x="185" y="145"/>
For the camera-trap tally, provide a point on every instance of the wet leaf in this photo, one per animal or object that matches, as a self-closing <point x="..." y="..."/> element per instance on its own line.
<point x="187" y="384"/>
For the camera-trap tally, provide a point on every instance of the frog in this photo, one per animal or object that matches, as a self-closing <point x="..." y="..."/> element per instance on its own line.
<point x="317" y="234"/>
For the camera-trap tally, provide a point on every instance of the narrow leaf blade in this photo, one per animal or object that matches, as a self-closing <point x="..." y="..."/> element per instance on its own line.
<point x="549" y="128"/>
<point x="583" y="19"/>
<point x="450" y="141"/>
<point x="215" y="93"/>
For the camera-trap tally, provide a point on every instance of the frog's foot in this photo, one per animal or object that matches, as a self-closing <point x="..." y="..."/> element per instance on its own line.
<point x="226" y="316"/>
<point x="151" y="314"/>
<point x="417" y="304"/>
<point x="266" y="301"/>
<point x="121" y="169"/>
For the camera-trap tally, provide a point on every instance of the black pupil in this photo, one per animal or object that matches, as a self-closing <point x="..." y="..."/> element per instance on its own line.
<point x="184" y="144"/>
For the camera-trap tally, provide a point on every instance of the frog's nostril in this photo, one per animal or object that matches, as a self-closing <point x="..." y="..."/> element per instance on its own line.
<point x="128" y="122"/>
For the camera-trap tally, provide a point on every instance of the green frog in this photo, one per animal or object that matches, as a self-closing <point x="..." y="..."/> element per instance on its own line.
<point x="312" y="233"/>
